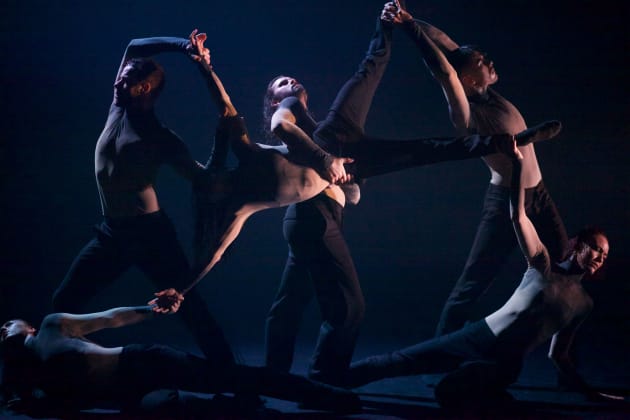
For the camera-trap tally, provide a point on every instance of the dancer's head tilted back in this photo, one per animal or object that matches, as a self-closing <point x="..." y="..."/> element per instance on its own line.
<point x="139" y="84"/>
<point x="474" y="67"/>
<point x="279" y="88"/>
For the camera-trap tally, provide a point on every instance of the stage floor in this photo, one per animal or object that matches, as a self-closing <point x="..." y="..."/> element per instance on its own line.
<point x="536" y="395"/>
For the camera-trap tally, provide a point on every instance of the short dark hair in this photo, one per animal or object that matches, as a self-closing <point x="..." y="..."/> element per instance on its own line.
<point x="460" y="57"/>
<point x="587" y="233"/>
<point x="149" y="70"/>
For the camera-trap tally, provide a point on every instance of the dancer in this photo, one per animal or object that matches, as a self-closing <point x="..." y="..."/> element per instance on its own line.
<point x="484" y="357"/>
<point x="318" y="252"/>
<point x="267" y="177"/>
<point x="74" y="373"/>
<point x="466" y="75"/>
<point x="263" y="178"/>
<point x="135" y="229"/>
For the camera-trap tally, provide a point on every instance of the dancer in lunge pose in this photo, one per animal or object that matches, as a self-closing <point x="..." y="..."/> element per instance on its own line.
<point x="135" y="230"/>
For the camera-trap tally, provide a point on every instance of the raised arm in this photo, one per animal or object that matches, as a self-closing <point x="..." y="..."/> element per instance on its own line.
<point x="302" y="149"/>
<point x="79" y="325"/>
<point x="434" y="44"/>
<point x="201" y="54"/>
<point x="526" y="233"/>
<point x="438" y="36"/>
<point x="146" y="47"/>
<point x="177" y="154"/>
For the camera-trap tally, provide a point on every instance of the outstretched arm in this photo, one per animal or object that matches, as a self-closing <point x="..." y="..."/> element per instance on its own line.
<point x="434" y="44"/>
<point x="526" y="233"/>
<point x="178" y="155"/>
<point x="239" y="139"/>
<point x="439" y="37"/>
<point x="201" y="55"/>
<point x="302" y="149"/>
<point x="146" y="47"/>
<point x="79" y="325"/>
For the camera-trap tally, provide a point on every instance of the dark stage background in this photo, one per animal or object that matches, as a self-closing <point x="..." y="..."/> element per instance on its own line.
<point x="410" y="234"/>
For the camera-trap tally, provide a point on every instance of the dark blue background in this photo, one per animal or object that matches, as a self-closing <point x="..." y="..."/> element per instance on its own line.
<point x="411" y="232"/>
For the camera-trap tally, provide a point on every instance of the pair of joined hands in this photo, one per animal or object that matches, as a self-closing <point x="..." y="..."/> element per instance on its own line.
<point x="166" y="301"/>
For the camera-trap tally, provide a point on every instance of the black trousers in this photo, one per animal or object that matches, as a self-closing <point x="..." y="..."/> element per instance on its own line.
<point x="317" y="249"/>
<point x="150" y="243"/>
<point x="143" y="369"/>
<point x="444" y="354"/>
<point x="493" y="243"/>
<point x="342" y="131"/>
<point x="319" y="263"/>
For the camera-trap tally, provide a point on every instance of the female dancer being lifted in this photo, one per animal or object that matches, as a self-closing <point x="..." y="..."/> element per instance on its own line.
<point x="319" y="260"/>
<point x="266" y="178"/>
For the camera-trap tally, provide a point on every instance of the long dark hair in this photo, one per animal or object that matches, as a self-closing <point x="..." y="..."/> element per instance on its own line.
<point x="268" y="110"/>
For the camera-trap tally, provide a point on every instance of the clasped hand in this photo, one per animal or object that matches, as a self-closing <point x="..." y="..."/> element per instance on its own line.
<point x="166" y="301"/>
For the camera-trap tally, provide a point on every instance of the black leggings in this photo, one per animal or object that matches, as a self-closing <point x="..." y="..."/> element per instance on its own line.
<point x="342" y="131"/>
<point x="473" y="343"/>
<point x="493" y="244"/>
<point x="319" y="261"/>
<point x="146" y="368"/>
<point x="150" y="243"/>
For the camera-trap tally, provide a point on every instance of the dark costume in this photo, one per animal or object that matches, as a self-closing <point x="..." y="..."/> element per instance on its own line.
<point x="141" y="144"/>
<point x="493" y="244"/>
<point x="490" y="113"/>
<point x="313" y="229"/>
<point x="495" y="240"/>
<point x="146" y="368"/>
<point x="480" y="363"/>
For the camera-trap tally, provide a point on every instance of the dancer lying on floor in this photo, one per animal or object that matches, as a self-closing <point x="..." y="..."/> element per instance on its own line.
<point x="484" y="358"/>
<point x="68" y="373"/>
